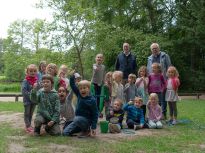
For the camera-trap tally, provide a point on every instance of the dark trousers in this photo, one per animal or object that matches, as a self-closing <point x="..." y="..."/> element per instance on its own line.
<point x="144" y="108"/>
<point x="28" y="113"/>
<point x="97" y="94"/>
<point x="79" y="124"/>
<point x="173" y="109"/>
<point x="131" y="123"/>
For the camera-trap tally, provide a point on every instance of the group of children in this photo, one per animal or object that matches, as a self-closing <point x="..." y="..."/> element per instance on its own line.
<point x="68" y="106"/>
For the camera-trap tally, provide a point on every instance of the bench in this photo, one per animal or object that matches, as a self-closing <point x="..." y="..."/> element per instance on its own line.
<point x="16" y="95"/>
<point x="191" y="94"/>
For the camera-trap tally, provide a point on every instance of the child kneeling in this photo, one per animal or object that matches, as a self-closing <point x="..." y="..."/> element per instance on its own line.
<point x="48" y="111"/>
<point x="154" y="112"/>
<point x="86" y="110"/>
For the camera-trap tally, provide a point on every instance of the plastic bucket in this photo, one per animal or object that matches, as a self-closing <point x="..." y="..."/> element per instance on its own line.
<point x="103" y="126"/>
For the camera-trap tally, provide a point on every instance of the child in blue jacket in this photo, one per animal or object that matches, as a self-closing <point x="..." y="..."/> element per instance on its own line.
<point x="135" y="116"/>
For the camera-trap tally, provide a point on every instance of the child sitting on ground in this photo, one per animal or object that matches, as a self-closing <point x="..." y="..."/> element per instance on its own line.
<point x="116" y="117"/>
<point x="66" y="108"/>
<point x="154" y="112"/>
<point x="86" y="110"/>
<point x="135" y="116"/>
<point x="48" y="110"/>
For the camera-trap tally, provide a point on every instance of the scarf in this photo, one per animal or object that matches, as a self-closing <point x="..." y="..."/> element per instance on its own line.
<point x="31" y="80"/>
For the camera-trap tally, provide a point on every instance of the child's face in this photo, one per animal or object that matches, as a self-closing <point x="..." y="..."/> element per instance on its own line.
<point x="32" y="71"/>
<point x="138" y="103"/>
<point x="84" y="90"/>
<point x="155" y="69"/>
<point x="171" y="73"/>
<point x="153" y="101"/>
<point x="47" y="84"/>
<point x="142" y="73"/>
<point x="131" y="80"/>
<point x="99" y="59"/>
<point x="117" y="106"/>
<point x="51" y="70"/>
<point x="62" y="93"/>
<point x="118" y="78"/>
<point x="43" y="68"/>
<point x="63" y="72"/>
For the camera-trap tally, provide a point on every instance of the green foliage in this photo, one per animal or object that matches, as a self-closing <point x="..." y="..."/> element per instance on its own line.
<point x="10" y="87"/>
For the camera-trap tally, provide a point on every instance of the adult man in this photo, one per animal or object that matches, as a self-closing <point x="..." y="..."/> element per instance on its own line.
<point x="126" y="62"/>
<point x="164" y="60"/>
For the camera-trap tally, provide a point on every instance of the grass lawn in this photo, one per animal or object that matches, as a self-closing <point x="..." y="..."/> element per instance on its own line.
<point x="188" y="136"/>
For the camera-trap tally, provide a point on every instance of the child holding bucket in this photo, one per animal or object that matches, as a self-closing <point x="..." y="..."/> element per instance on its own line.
<point x="116" y="117"/>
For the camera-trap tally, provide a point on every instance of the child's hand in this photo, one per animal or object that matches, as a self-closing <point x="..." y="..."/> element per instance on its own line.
<point x="130" y="103"/>
<point x="111" y="113"/>
<point x="35" y="86"/>
<point x="93" y="132"/>
<point x="50" y="123"/>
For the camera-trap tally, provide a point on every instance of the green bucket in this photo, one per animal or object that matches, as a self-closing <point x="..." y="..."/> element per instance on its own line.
<point x="104" y="126"/>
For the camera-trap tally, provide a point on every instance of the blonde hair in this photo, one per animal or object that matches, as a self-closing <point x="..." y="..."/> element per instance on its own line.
<point x="107" y="75"/>
<point x="63" y="66"/>
<point x="143" y="68"/>
<point x="138" y="99"/>
<point x="176" y="73"/>
<point x="119" y="101"/>
<point x="84" y="83"/>
<point x="158" y="66"/>
<point x="117" y="73"/>
<point x="132" y="76"/>
<point x="30" y="66"/>
<point x="154" y="95"/>
<point x="54" y="66"/>
<point x="153" y="45"/>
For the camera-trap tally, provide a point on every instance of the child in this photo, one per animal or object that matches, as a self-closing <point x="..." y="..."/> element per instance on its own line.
<point x="157" y="85"/>
<point x="29" y="105"/>
<point x="66" y="108"/>
<point x="86" y="110"/>
<point x="142" y="83"/>
<point x="154" y="112"/>
<point x="117" y="87"/>
<point x="130" y="89"/>
<point x="115" y="117"/>
<point x="48" y="111"/>
<point x="41" y="70"/>
<point x="63" y="73"/>
<point x="106" y="93"/>
<point x="135" y="116"/>
<point x="98" y="77"/>
<point x="52" y="70"/>
<point x="171" y="93"/>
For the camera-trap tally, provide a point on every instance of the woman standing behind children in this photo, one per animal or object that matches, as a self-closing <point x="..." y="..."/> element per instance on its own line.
<point x="98" y="77"/>
<point x="154" y="112"/>
<point x="117" y="87"/>
<point x="142" y="83"/>
<point x="27" y="86"/>
<point x="130" y="89"/>
<point x="171" y="93"/>
<point x="157" y="85"/>
<point x="115" y="117"/>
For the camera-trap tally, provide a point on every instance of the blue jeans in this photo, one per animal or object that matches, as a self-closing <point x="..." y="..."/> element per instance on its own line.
<point x="79" y="124"/>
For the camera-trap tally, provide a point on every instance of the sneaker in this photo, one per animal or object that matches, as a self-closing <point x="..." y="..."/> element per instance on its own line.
<point x="84" y="134"/>
<point x="174" y="122"/>
<point x="29" y="130"/>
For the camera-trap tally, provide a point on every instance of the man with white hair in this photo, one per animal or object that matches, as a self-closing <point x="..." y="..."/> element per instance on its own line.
<point x="163" y="59"/>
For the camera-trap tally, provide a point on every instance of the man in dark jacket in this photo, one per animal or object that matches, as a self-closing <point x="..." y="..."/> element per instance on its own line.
<point x="126" y="62"/>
